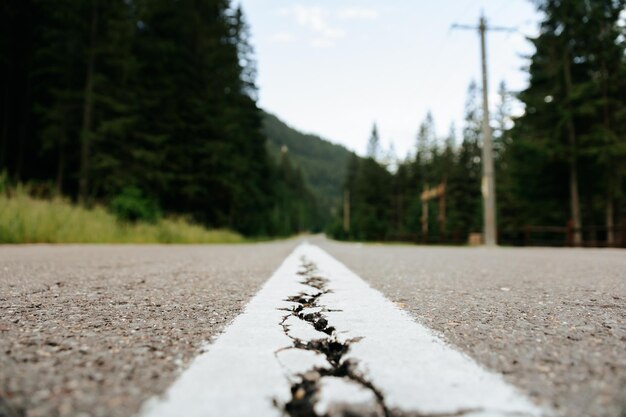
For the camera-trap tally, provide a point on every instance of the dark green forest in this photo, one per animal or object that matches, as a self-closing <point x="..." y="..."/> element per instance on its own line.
<point x="152" y="100"/>
<point x="320" y="162"/>
<point x="153" y="104"/>
<point x="560" y="167"/>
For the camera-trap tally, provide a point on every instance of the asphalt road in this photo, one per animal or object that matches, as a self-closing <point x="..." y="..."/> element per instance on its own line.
<point x="96" y="330"/>
<point x="553" y="321"/>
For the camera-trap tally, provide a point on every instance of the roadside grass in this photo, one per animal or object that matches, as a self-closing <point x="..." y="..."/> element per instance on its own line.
<point x="25" y="219"/>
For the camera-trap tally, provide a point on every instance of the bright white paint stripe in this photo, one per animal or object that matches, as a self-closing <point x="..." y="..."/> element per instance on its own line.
<point x="240" y="375"/>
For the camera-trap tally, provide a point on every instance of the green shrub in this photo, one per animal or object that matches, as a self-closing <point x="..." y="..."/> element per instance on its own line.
<point x="131" y="205"/>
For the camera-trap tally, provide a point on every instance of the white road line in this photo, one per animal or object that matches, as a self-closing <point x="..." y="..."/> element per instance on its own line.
<point x="249" y="369"/>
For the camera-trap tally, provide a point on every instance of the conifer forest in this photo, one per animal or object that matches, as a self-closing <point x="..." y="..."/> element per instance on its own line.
<point x="153" y="104"/>
<point x="559" y="167"/>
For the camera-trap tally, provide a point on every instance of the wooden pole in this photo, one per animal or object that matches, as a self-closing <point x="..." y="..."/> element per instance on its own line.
<point x="442" y="211"/>
<point x="488" y="181"/>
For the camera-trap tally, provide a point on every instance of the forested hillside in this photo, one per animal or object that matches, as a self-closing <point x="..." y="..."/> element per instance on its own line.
<point x="152" y="101"/>
<point x="322" y="163"/>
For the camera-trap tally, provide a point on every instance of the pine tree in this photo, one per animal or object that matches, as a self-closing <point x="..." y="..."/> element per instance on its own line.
<point x="373" y="144"/>
<point x="463" y="189"/>
<point x="604" y="107"/>
<point x="502" y="115"/>
<point x="426" y="139"/>
<point x="571" y="118"/>
<point x="153" y="95"/>
<point x="58" y="96"/>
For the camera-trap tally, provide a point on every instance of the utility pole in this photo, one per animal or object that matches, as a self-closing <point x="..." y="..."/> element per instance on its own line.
<point x="488" y="183"/>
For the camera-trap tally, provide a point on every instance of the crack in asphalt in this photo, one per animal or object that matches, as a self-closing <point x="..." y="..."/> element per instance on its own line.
<point x="305" y="390"/>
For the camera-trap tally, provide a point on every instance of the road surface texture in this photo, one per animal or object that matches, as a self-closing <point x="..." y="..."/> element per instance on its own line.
<point x="97" y="330"/>
<point x="553" y="321"/>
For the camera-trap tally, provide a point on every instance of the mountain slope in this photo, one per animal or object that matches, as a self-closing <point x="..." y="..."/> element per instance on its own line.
<point x="323" y="164"/>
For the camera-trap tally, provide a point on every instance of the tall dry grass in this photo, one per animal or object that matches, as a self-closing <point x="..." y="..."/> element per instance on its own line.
<point x="24" y="219"/>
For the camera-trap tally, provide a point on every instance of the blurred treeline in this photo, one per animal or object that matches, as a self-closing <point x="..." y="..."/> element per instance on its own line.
<point x="146" y="100"/>
<point x="563" y="160"/>
<point x="321" y="162"/>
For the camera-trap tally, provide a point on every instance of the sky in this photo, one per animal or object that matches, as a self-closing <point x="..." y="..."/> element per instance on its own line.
<point x="335" y="67"/>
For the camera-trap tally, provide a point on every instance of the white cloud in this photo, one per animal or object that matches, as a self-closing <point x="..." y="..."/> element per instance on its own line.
<point x="282" y="37"/>
<point x="316" y="19"/>
<point x="360" y="13"/>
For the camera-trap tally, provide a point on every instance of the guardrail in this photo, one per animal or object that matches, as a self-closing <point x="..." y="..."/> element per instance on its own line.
<point x="591" y="236"/>
<point x="530" y="235"/>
